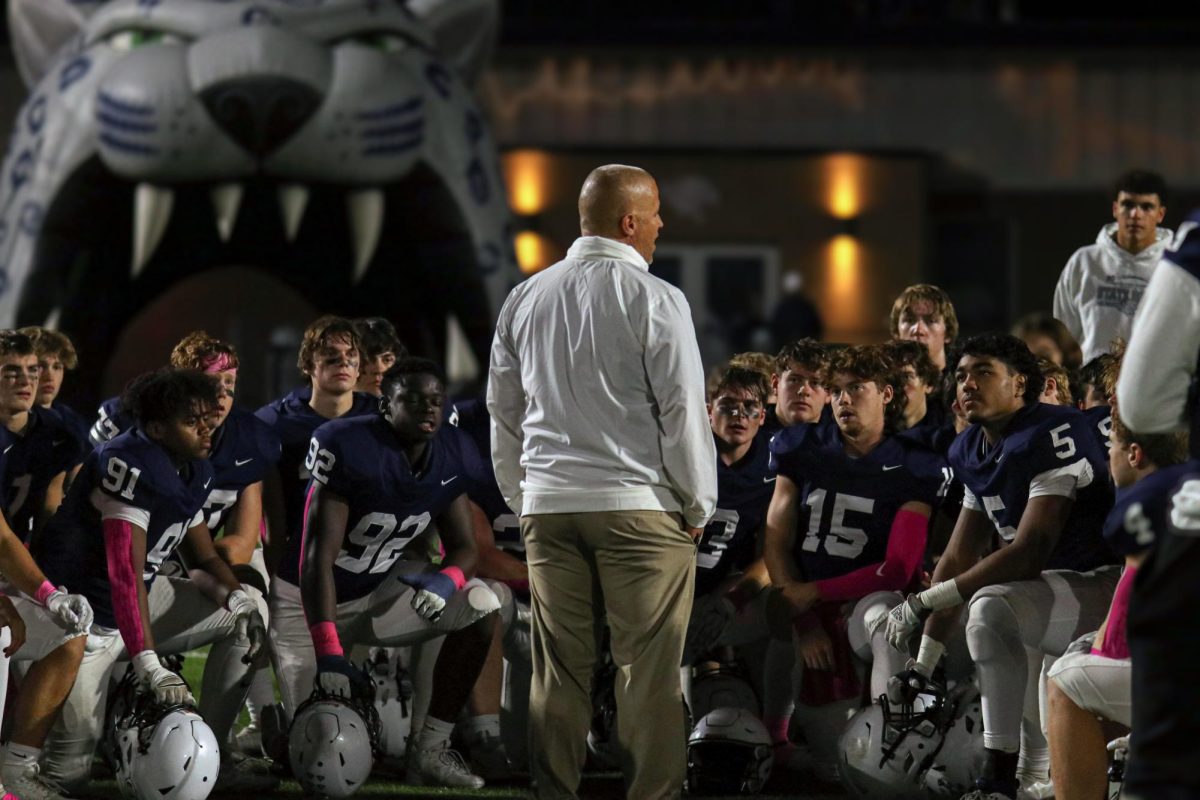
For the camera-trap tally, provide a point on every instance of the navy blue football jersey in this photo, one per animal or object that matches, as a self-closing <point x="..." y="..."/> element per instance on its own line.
<point x="730" y="538"/>
<point x="771" y="424"/>
<point x="243" y="448"/>
<point x="932" y="433"/>
<point x="361" y="460"/>
<point x="111" y="421"/>
<point x="75" y="421"/>
<point x="130" y="471"/>
<point x="851" y="502"/>
<point x="472" y="418"/>
<point x="1142" y="511"/>
<point x="1101" y="419"/>
<point x="1164" y="652"/>
<point x="6" y="447"/>
<point x="1040" y="438"/>
<point x="293" y="421"/>
<point x="46" y="448"/>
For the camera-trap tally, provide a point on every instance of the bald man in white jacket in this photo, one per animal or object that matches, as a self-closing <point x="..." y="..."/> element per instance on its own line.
<point x="601" y="442"/>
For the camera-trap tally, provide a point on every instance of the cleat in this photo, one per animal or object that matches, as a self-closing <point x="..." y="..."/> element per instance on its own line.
<point x="241" y="773"/>
<point x="440" y="767"/>
<point x="28" y="784"/>
<point x="1036" y="790"/>
<point x="793" y="757"/>
<point x="489" y="760"/>
<point x="273" y="732"/>
<point x="249" y="740"/>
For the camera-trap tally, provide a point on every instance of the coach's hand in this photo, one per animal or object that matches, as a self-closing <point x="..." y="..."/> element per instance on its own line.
<point x="167" y="687"/>
<point x="434" y="590"/>
<point x="248" y="626"/>
<point x="904" y="621"/>
<point x="337" y="676"/>
<point x="72" y="610"/>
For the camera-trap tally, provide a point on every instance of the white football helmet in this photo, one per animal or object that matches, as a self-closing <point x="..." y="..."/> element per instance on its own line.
<point x="722" y="687"/>
<point x="960" y="761"/>
<point x="393" y="704"/>
<point x="331" y="744"/>
<point x="931" y="747"/>
<point x="729" y="752"/>
<point x="885" y="755"/>
<point x="161" y="752"/>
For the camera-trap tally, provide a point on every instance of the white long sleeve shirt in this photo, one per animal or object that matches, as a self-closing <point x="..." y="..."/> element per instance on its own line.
<point x="1161" y="357"/>
<point x="596" y="391"/>
<point x="1100" y="288"/>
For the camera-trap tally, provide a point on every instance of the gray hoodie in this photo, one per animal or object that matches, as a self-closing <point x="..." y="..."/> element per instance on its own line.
<point x="1100" y="288"/>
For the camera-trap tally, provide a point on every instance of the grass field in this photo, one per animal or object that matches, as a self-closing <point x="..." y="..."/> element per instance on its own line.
<point x="606" y="787"/>
<point x="599" y="786"/>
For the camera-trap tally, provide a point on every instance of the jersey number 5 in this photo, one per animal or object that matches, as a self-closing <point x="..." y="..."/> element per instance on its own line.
<point x="1064" y="445"/>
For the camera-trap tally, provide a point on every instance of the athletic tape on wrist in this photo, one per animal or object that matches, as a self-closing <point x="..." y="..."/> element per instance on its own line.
<point x="941" y="595"/>
<point x="928" y="655"/>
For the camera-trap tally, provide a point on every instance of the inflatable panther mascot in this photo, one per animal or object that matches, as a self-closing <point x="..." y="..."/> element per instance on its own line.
<point x="333" y="144"/>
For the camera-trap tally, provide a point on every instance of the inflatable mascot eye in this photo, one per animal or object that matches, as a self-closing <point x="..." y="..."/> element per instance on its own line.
<point x="387" y="41"/>
<point x="133" y="38"/>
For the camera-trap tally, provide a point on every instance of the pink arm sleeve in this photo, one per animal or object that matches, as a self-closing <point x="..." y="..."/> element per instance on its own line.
<point x="1116" y="643"/>
<point x="906" y="547"/>
<point x="118" y="547"/>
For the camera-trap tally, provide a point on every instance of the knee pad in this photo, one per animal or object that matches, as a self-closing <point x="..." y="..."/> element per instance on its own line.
<point x="869" y="616"/>
<point x="990" y="621"/>
<point x="507" y="604"/>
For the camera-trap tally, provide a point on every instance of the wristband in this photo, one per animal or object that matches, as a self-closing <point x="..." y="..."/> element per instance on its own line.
<point x="928" y="655"/>
<point x="455" y="574"/>
<point x="941" y="595"/>
<point x="44" y="591"/>
<point x="325" y="639"/>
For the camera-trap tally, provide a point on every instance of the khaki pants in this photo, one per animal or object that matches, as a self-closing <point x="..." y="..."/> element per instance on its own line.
<point x="637" y="569"/>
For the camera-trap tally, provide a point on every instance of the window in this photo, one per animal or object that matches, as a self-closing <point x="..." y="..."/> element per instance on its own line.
<point x="732" y="290"/>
